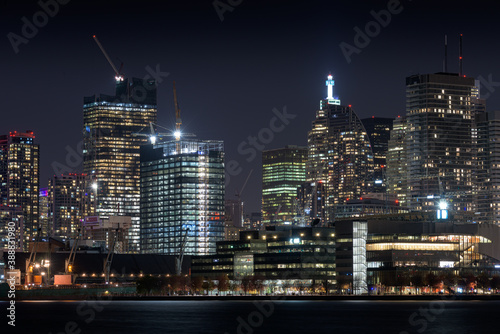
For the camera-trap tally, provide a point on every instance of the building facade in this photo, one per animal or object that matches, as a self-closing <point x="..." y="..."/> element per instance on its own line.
<point x="70" y="201"/>
<point x="182" y="193"/>
<point x="19" y="177"/>
<point x="396" y="161"/>
<point x="440" y="146"/>
<point x="488" y="167"/>
<point x="111" y="153"/>
<point x="378" y="130"/>
<point x="283" y="171"/>
<point x="340" y="154"/>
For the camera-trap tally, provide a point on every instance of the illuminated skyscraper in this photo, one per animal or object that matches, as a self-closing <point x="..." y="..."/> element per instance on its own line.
<point x="111" y="150"/>
<point x="440" y="144"/>
<point x="69" y="202"/>
<point x="43" y="207"/>
<point x="340" y="154"/>
<point x="182" y="191"/>
<point x="396" y="161"/>
<point x="283" y="172"/>
<point x="19" y="178"/>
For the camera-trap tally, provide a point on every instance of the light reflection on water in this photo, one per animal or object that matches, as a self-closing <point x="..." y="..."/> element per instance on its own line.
<point x="247" y="317"/>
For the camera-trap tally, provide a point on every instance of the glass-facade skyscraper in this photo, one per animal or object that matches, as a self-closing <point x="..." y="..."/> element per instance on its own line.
<point x="379" y="132"/>
<point x="440" y="140"/>
<point x="340" y="154"/>
<point x="283" y="172"/>
<point x="111" y="153"/>
<point x="19" y="179"/>
<point x="182" y="191"/>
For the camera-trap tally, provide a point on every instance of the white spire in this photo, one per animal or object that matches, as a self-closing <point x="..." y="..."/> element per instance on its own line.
<point x="330" y="83"/>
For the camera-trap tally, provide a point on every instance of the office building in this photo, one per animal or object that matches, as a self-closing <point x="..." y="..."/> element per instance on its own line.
<point x="396" y="161"/>
<point x="287" y="258"/>
<point x="340" y="153"/>
<point x="378" y="130"/>
<point x="112" y="128"/>
<point x="19" y="177"/>
<point x="440" y="146"/>
<point x="182" y="193"/>
<point x="283" y="171"/>
<point x="488" y="167"/>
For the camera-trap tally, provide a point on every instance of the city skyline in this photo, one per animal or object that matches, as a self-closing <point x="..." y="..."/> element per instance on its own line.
<point x="227" y="74"/>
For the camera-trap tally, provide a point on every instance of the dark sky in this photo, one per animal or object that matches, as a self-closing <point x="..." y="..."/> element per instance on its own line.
<point x="230" y="74"/>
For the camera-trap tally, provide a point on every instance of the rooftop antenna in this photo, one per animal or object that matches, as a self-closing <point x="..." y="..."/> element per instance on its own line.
<point x="445" y="54"/>
<point x="460" y="60"/>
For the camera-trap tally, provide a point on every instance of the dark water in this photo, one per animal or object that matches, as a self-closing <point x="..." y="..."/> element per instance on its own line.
<point x="146" y="317"/>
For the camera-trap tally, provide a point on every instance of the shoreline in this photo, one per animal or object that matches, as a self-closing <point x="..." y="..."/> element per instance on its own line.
<point x="457" y="297"/>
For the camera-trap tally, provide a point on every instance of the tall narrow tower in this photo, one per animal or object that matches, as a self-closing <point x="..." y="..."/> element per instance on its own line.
<point x="19" y="178"/>
<point x="340" y="154"/>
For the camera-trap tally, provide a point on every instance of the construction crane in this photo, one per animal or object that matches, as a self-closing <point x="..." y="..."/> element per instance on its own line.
<point x="180" y="257"/>
<point x="118" y="75"/>
<point x="30" y="262"/>
<point x="109" y="258"/>
<point x="68" y="268"/>
<point x="238" y="197"/>
<point x="178" y="121"/>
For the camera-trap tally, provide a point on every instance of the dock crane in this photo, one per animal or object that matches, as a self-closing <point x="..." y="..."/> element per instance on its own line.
<point x="69" y="263"/>
<point x="118" y="74"/>
<point x="109" y="258"/>
<point x="180" y="257"/>
<point x="30" y="262"/>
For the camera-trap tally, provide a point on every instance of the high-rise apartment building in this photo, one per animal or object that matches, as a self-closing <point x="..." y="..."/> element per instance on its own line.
<point x="378" y="130"/>
<point x="19" y="178"/>
<point x="396" y="161"/>
<point x="340" y="154"/>
<point x="182" y="192"/>
<point x="43" y="207"/>
<point x="283" y="172"/>
<point x="440" y="145"/>
<point x="70" y="201"/>
<point x="111" y="150"/>
<point x="488" y="167"/>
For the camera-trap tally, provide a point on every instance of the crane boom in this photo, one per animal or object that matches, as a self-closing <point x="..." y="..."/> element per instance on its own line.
<point x="71" y="258"/>
<point x="180" y="257"/>
<point x="109" y="258"/>
<point x="119" y="76"/>
<point x="178" y="120"/>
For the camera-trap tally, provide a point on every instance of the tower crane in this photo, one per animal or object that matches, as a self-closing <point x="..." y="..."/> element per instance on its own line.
<point x="118" y="75"/>
<point x="238" y="196"/>
<point x="178" y="121"/>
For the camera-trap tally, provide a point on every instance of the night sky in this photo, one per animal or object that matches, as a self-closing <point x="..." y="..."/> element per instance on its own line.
<point x="231" y="74"/>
